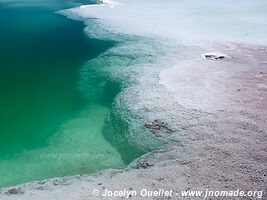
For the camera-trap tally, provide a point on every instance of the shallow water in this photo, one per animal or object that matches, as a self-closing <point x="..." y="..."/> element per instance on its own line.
<point x="48" y="127"/>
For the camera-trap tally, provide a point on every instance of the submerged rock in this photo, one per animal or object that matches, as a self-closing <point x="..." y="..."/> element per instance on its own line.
<point x="143" y="164"/>
<point x="14" y="191"/>
<point x="215" y="56"/>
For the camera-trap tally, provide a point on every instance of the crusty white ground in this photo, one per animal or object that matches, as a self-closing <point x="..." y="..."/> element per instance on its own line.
<point x="218" y="110"/>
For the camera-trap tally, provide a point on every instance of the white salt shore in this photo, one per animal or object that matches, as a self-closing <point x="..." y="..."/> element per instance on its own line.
<point x="183" y="20"/>
<point x="211" y="115"/>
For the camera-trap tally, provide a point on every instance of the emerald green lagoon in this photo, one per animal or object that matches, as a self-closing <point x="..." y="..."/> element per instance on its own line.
<point x="47" y="127"/>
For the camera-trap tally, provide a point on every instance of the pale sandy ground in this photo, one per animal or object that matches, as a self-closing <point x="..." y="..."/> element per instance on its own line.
<point x="218" y="111"/>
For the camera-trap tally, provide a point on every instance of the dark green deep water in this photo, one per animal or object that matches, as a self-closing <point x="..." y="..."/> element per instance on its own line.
<point x="41" y="54"/>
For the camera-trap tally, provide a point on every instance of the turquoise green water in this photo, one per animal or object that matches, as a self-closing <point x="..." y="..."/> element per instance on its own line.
<point x="47" y="127"/>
